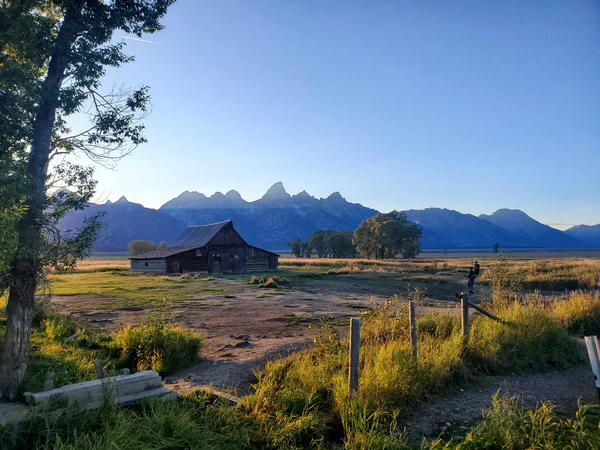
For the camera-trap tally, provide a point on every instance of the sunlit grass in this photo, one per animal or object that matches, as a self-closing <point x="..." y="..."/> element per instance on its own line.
<point x="133" y="289"/>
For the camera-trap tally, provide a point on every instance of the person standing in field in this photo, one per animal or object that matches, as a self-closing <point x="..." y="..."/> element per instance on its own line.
<point x="471" y="278"/>
<point x="476" y="268"/>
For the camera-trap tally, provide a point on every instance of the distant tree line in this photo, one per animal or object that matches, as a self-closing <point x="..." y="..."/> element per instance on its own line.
<point x="385" y="235"/>
<point x="325" y="244"/>
<point x="140" y="246"/>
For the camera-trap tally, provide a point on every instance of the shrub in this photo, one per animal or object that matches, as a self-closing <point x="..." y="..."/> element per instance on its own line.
<point x="58" y="327"/>
<point x="157" y="344"/>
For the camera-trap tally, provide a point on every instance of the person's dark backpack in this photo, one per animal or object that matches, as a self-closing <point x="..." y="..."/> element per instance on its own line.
<point x="476" y="269"/>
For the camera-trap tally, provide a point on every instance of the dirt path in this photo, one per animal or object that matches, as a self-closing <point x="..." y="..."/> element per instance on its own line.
<point x="454" y="415"/>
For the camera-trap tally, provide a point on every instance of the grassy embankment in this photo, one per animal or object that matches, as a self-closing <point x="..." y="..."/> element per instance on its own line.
<point x="68" y="349"/>
<point x="301" y="401"/>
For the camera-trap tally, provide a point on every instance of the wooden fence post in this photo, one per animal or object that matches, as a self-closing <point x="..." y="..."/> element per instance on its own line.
<point x="354" y="355"/>
<point x="591" y="343"/>
<point x="464" y="307"/>
<point x="412" y="320"/>
<point x="99" y="369"/>
<point x="49" y="381"/>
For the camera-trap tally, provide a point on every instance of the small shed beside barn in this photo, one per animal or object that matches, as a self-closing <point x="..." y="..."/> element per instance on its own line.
<point x="213" y="248"/>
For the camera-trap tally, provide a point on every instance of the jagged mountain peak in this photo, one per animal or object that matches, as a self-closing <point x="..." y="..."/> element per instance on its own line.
<point x="191" y="195"/>
<point x="122" y="201"/>
<point x="335" y="196"/>
<point x="233" y="195"/>
<point x="276" y="193"/>
<point x="302" y="195"/>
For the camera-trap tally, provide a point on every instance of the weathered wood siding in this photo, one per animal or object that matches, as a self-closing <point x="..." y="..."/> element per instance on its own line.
<point x="156" y="265"/>
<point x="226" y="252"/>
<point x="258" y="260"/>
<point x="194" y="261"/>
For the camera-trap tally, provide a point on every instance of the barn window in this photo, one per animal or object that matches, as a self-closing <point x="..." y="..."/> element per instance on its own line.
<point x="198" y="252"/>
<point x="237" y="256"/>
<point x="146" y="264"/>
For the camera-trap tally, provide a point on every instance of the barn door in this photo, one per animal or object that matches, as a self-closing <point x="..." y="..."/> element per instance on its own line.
<point x="216" y="265"/>
<point x="176" y="265"/>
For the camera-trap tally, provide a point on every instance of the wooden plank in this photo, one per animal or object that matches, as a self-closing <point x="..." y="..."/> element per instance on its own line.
<point x="590" y="343"/>
<point x="98" y="392"/>
<point x="49" y="381"/>
<point x="412" y="320"/>
<point x="464" y="307"/>
<point x="99" y="369"/>
<point x="130" y="399"/>
<point x="80" y="389"/>
<point x="486" y="313"/>
<point x="354" y="355"/>
<point x="13" y="413"/>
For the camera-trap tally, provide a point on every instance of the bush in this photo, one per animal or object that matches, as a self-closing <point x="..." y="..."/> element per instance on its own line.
<point x="58" y="327"/>
<point x="580" y="313"/>
<point x="157" y="344"/>
<point x="269" y="284"/>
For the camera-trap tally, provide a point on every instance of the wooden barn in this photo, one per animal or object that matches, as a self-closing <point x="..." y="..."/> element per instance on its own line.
<point x="213" y="248"/>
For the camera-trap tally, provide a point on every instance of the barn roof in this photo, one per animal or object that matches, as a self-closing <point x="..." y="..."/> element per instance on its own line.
<point x="192" y="238"/>
<point x="162" y="252"/>
<point x="199" y="235"/>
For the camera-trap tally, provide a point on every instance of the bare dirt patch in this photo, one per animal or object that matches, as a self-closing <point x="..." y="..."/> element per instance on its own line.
<point x="241" y="331"/>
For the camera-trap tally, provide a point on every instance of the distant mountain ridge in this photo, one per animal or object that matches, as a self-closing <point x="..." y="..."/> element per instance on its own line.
<point x="274" y="219"/>
<point x="125" y="222"/>
<point x="538" y="234"/>
<point x="586" y="233"/>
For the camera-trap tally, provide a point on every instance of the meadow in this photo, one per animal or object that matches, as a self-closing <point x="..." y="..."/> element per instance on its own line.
<point x="301" y="401"/>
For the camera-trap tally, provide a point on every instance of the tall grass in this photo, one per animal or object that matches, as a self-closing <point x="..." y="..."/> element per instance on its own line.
<point x="391" y="382"/>
<point x="579" y="313"/>
<point x="507" y="425"/>
<point x="156" y="424"/>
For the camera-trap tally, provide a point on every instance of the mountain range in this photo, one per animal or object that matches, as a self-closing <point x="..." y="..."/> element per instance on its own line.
<point x="274" y="219"/>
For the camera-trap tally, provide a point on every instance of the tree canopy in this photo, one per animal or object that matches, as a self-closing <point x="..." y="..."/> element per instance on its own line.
<point x="53" y="55"/>
<point x="140" y="246"/>
<point x="325" y="244"/>
<point x="387" y="235"/>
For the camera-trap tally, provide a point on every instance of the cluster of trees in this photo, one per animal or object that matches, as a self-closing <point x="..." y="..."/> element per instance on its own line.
<point x="140" y="246"/>
<point x="381" y="236"/>
<point x="53" y="55"/>
<point x="325" y="244"/>
<point x="387" y="235"/>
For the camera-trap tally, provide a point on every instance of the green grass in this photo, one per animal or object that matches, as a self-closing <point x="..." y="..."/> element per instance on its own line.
<point x="66" y="348"/>
<point x="507" y="425"/>
<point x="579" y="312"/>
<point x="134" y="289"/>
<point x="313" y="384"/>
<point x="302" y="401"/>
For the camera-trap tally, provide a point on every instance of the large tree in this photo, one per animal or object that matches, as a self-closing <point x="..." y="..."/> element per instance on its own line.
<point x="53" y="55"/>
<point x="388" y="235"/>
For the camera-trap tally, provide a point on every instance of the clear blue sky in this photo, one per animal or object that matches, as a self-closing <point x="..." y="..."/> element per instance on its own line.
<point x="467" y="105"/>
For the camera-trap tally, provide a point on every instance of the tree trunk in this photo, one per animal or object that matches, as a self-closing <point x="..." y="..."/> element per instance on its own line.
<point x="27" y="266"/>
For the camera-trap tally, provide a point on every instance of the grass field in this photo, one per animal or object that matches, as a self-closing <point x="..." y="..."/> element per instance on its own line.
<point x="301" y="401"/>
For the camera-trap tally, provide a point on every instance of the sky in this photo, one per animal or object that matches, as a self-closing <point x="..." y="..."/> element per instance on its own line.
<point x="465" y="105"/>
